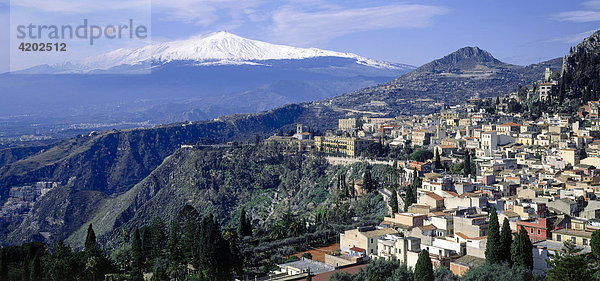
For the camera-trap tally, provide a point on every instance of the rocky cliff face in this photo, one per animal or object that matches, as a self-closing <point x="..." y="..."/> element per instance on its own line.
<point x="581" y="70"/>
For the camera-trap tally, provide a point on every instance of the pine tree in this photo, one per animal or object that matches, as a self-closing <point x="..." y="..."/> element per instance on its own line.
<point x="505" y="241"/>
<point x="569" y="264"/>
<point x="62" y="265"/>
<point x="136" y="250"/>
<point x="423" y="268"/>
<point x="595" y="243"/>
<point x="394" y="202"/>
<point x="90" y="239"/>
<point x="521" y="250"/>
<point x="493" y="246"/>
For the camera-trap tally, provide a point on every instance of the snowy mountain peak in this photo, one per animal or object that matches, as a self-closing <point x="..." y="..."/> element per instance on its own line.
<point x="216" y="48"/>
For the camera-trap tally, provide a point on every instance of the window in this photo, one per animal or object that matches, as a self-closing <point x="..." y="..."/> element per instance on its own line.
<point x="531" y="230"/>
<point x="574" y="239"/>
<point x="539" y="232"/>
<point x="558" y="238"/>
<point x="585" y="242"/>
<point x="371" y="240"/>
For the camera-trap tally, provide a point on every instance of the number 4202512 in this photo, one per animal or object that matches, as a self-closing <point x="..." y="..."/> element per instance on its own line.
<point x="43" y="47"/>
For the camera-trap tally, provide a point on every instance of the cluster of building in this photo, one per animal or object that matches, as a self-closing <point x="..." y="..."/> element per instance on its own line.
<point x="541" y="175"/>
<point x="21" y="199"/>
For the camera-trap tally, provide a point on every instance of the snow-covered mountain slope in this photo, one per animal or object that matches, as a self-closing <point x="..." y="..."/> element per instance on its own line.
<point x="218" y="48"/>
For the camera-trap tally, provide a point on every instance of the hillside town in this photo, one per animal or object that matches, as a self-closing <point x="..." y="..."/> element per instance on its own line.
<point x="540" y="176"/>
<point x="21" y="199"/>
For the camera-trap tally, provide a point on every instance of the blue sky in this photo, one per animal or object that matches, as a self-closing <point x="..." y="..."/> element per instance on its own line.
<point x="412" y="32"/>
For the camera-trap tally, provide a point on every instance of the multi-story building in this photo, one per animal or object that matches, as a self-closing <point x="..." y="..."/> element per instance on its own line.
<point x="365" y="238"/>
<point x="471" y="225"/>
<point x="348" y="124"/>
<point x="579" y="237"/>
<point x="348" y="146"/>
<point x="421" y="138"/>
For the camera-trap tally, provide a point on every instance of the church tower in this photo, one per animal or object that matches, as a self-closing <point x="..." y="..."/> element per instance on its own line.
<point x="547" y="73"/>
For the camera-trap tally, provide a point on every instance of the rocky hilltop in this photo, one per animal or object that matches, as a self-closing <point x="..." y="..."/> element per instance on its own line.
<point x="466" y="73"/>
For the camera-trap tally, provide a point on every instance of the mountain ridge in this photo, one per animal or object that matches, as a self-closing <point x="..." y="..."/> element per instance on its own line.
<point x="216" y="48"/>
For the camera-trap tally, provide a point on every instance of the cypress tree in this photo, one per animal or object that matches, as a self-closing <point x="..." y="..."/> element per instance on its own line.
<point x="368" y="182"/>
<point x="244" y="225"/>
<point x="394" y="202"/>
<point x="26" y="272"/>
<point x="189" y="241"/>
<point x="521" y="250"/>
<point x="157" y="231"/>
<point x="3" y="265"/>
<point x="411" y="191"/>
<point x="493" y="246"/>
<point x="438" y="161"/>
<point x="36" y="269"/>
<point x="467" y="163"/>
<point x="505" y="241"/>
<point x="146" y="238"/>
<point x="424" y="268"/>
<point x="90" y="239"/>
<point x="136" y="250"/>
<point x="214" y="252"/>
<point x="595" y="243"/>
<point x="174" y="251"/>
<point x="188" y="217"/>
<point x="26" y="266"/>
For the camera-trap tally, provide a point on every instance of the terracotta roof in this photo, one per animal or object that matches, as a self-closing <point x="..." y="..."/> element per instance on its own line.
<point x="511" y="124"/>
<point x="461" y="235"/>
<point x="428" y="227"/>
<point x="432" y="175"/>
<point x="453" y="194"/>
<point x="357" y="249"/>
<point x="469" y="261"/>
<point x="435" y="196"/>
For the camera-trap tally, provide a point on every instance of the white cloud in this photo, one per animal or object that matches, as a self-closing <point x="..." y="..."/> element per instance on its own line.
<point x="573" y="38"/>
<point x="593" y="4"/>
<point x="207" y="12"/>
<point x="80" y="6"/>
<point x="303" y="28"/>
<point x="579" y="16"/>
